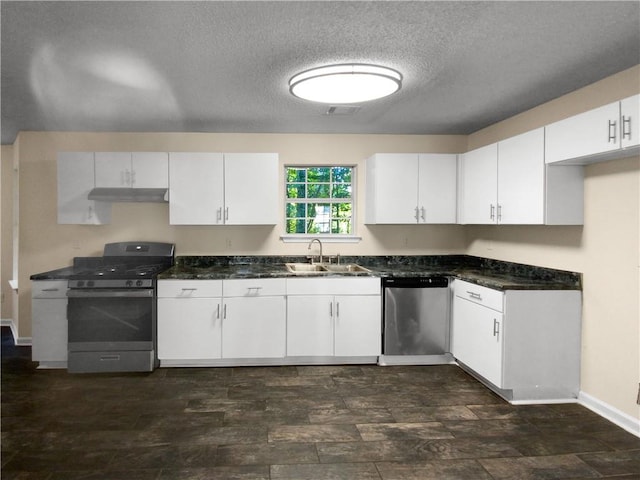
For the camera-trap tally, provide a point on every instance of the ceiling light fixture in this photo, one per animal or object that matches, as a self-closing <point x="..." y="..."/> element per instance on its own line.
<point x="346" y="83"/>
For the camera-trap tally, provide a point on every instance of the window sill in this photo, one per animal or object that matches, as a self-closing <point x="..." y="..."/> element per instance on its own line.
<point x="323" y="238"/>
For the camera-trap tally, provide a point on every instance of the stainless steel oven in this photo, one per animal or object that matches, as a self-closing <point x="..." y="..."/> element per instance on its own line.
<point x="111" y="311"/>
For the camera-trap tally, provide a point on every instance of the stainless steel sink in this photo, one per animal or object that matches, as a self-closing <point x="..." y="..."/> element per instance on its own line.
<point x="307" y="268"/>
<point x="326" y="268"/>
<point x="346" y="268"/>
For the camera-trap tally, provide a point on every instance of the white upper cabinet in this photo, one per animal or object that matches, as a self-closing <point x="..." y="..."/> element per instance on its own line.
<point x="223" y="189"/>
<point x="251" y="188"/>
<point x="411" y="188"/>
<point x="131" y="170"/>
<point x="509" y="183"/>
<point x="630" y="122"/>
<point x="75" y="181"/>
<point x="479" y="185"/>
<point x="604" y="133"/>
<point x="196" y="188"/>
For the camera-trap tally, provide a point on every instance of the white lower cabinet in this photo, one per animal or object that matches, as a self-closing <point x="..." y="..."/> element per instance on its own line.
<point x="254" y="318"/>
<point x="49" y="323"/>
<point x="189" y="319"/>
<point x="524" y="343"/>
<point x="338" y="317"/>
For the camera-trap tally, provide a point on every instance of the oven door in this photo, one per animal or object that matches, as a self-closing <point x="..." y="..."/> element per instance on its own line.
<point x="111" y="319"/>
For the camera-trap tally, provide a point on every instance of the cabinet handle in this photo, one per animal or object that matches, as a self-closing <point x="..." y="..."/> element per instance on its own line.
<point x="496" y="329"/>
<point x="224" y="311"/>
<point x="133" y="177"/>
<point x="331" y="309"/>
<point x="50" y="289"/>
<point x="253" y="291"/>
<point x="90" y="213"/>
<point x="226" y="213"/>
<point x="499" y="212"/>
<point x="218" y="311"/>
<point x="416" y="215"/>
<point x="422" y="215"/>
<point x="492" y="211"/>
<point x="612" y="131"/>
<point x="337" y="309"/>
<point x="475" y="295"/>
<point x="219" y="215"/>
<point x="626" y="132"/>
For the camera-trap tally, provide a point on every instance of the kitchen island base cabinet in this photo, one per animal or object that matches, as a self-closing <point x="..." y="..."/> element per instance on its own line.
<point x="524" y="344"/>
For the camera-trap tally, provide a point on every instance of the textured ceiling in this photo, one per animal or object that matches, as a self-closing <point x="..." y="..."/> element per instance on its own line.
<point x="223" y="66"/>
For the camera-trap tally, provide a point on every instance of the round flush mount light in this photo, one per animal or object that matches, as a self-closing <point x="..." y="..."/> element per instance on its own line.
<point x="346" y="83"/>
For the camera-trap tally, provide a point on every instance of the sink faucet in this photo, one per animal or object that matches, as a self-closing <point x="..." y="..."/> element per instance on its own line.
<point x="319" y="243"/>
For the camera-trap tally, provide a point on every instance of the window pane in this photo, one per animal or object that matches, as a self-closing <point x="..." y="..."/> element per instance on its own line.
<point x="296" y="174"/>
<point x="319" y="174"/>
<point x="341" y="210"/>
<point x="295" y="226"/>
<point x="295" y="210"/>
<point x="341" y="190"/>
<point x="341" y="226"/>
<point x="318" y="191"/>
<point x="341" y="174"/>
<point x="296" y="190"/>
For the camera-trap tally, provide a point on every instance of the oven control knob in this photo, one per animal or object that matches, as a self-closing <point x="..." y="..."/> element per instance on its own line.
<point x="129" y="283"/>
<point x="80" y="283"/>
<point x="138" y="283"/>
<point x="90" y="283"/>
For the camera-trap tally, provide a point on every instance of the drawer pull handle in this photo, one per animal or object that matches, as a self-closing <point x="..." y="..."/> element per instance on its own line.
<point x="612" y="132"/>
<point x="50" y="289"/>
<point x="475" y="295"/>
<point x="496" y="329"/>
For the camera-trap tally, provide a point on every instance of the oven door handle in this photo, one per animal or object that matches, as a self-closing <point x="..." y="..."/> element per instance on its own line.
<point x="110" y="293"/>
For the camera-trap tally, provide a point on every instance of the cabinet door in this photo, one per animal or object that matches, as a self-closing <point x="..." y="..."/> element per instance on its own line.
<point x="630" y="121"/>
<point x="476" y="339"/>
<point x="310" y="325"/>
<point x="593" y="132"/>
<point x="521" y="179"/>
<point x="358" y="325"/>
<point x="196" y="188"/>
<point x="251" y="189"/>
<point x="392" y="182"/>
<point x="479" y="185"/>
<point x="150" y="170"/>
<point x="437" y="188"/>
<point x="75" y="181"/>
<point x="189" y="328"/>
<point x="254" y="327"/>
<point x="49" y="319"/>
<point x="113" y="169"/>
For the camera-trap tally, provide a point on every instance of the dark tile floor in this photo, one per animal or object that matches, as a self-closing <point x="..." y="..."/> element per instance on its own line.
<point x="343" y="422"/>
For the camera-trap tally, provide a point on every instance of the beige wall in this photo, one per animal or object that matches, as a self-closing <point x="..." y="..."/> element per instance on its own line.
<point x="6" y="229"/>
<point x="606" y="250"/>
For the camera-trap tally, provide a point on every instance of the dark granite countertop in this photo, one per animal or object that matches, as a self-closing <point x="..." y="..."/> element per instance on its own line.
<point x="482" y="271"/>
<point x="486" y="272"/>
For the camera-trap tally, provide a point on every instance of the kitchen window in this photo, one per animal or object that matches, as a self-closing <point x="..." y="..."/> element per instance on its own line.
<point x="319" y="201"/>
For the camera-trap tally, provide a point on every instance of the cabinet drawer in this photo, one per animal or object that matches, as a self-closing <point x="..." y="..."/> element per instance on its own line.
<point x="189" y="288"/>
<point x="481" y="295"/>
<point x="256" y="287"/>
<point x="334" y="286"/>
<point x="49" y="289"/>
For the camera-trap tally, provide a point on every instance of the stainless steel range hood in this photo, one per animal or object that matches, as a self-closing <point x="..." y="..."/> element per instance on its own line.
<point x="129" y="194"/>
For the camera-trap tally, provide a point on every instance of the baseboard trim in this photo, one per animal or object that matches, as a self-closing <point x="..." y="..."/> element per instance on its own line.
<point x="18" y="341"/>
<point x="627" y="422"/>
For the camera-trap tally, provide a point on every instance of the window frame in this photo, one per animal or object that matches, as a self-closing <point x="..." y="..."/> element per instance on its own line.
<point x="325" y="237"/>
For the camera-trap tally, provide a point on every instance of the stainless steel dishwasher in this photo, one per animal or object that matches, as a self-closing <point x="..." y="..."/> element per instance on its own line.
<point x="416" y="321"/>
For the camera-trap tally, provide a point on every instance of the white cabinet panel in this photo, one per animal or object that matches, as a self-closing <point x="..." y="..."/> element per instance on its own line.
<point x="254" y="327"/>
<point x="196" y="188"/>
<point x="150" y="170"/>
<point x="358" y="325"/>
<point x="49" y="322"/>
<point x="406" y="188"/>
<point x="76" y="177"/>
<point x="630" y="122"/>
<point x="189" y="329"/>
<point x="310" y="326"/>
<point x="521" y="179"/>
<point x="479" y="183"/>
<point x="113" y="169"/>
<point x="251" y="188"/>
